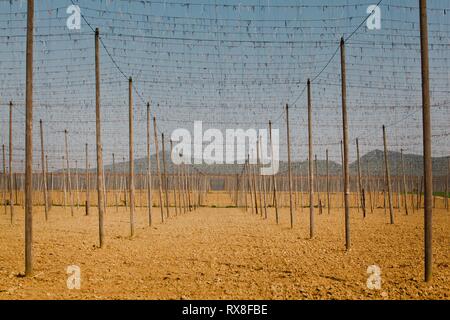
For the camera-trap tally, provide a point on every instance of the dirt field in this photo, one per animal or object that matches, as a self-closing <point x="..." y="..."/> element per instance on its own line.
<point x="223" y="253"/>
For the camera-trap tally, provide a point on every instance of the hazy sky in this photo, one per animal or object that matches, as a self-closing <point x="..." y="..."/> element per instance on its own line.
<point x="230" y="64"/>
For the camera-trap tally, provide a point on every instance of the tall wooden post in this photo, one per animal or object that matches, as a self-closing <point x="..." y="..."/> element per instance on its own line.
<point x="342" y="175"/>
<point x="291" y="209"/>
<point x="360" y="189"/>
<point x="88" y="187"/>
<point x="405" y="190"/>
<point x="189" y="187"/>
<point x="258" y="174"/>
<point x="166" y="191"/>
<point x="49" y="185"/>
<point x="181" y="198"/>
<point x="274" y="178"/>
<point x="328" y="184"/>
<point x="446" y="183"/>
<point x="369" y="186"/>
<point x="411" y="182"/>
<point x="173" y="181"/>
<point x="319" y="200"/>
<point x="188" y="190"/>
<point x="44" y="173"/>
<point x="131" y="155"/>
<point x="250" y="185"/>
<point x="100" y="191"/>
<point x="116" y="200"/>
<point x="69" y="180"/>
<point x="263" y="178"/>
<point x="77" y="185"/>
<point x="64" y="183"/>
<point x="149" y="169"/>
<point x="158" y="170"/>
<point x="255" y="188"/>
<point x="427" y="162"/>
<point x="310" y="164"/>
<point x="125" y="184"/>
<point x="345" y="136"/>
<point x="181" y="185"/>
<point x="244" y="186"/>
<point x="388" y="177"/>
<point x="11" y="182"/>
<point x="29" y="141"/>
<point x="4" y="180"/>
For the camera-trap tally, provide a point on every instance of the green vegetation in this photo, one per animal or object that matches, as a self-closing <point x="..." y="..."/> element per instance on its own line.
<point x="441" y="194"/>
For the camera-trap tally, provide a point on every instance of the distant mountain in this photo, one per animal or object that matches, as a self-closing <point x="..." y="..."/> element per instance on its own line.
<point x="413" y="164"/>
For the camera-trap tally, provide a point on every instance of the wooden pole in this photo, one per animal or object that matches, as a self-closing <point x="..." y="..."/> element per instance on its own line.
<point x="388" y="177"/>
<point x="88" y="187"/>
<point x="274" y="178"/>
<point x="49" y="185"/>
<point x="4" y="180"/>
<point x="345" y="136"/>
<point x="11" y="183"/>
<point x="255" y="188"/>
<point x="105" y="190"/>
<point x="181" y="185"/>
<point x="131" y="155"/>
<point x="189" y="187"/>
<point x="426" y="118"/>
<point x="263" y="178"/>
<point x="158" y="169"/>
<point x="405" y="190"/>
<point x="100" y="191"/>
<point x="69" y="180"/>
<point x="181" y="198"/>
<point x="29" y="141"/>
<point x="64" y="184"/>
<point x="319" y="200"/>
<point x="361" y="202"/>
<point x="116" y="200"/>
<point x="244" y="185"/>
<point x="369" y="186"/>
<point x="44" y="173"/>
<point x="125" y="184"/>
<point x="446" y="183"/>
<point x="187" y="184"/>
<point x="310" y="164"/>
<point x="328" y="184"/>
<point x="166" y="191"/>
<point x="420" y="192"/>
<point x="291" y="209"/>
<point x="411" y="182"/>
<point x="173" y="181"/>
<point x="258" y="174"/>
<point x="342" y="175"/>
<point x="77" y="185"/>
<point x="250" y="185"/>
<point x="149" y="170"/>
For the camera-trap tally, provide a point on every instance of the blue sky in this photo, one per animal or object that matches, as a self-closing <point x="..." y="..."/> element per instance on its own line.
<point x="228" y="65"/>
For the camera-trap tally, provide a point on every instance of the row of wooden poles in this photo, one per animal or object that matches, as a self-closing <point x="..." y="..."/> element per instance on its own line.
<point x="327" y="190"/>
<point x="183" y="189"/>
<point x="366" y="190"/>
<point x="426" y="114"/>
<point x="252" y="191"/>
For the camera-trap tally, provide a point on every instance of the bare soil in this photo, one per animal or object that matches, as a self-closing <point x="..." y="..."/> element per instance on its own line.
<point x="223" y="253"/>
